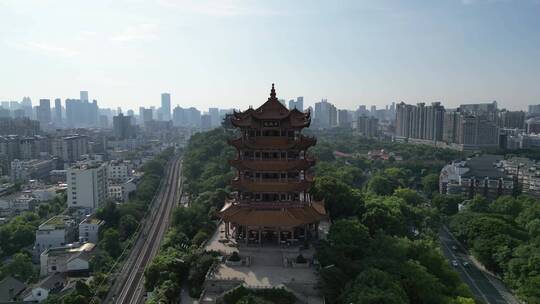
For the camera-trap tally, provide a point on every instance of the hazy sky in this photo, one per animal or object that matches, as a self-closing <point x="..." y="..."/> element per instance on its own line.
<point x="227" y="53"/>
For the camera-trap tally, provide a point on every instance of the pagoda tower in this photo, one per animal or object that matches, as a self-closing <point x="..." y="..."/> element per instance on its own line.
<point x="272" y="203"/>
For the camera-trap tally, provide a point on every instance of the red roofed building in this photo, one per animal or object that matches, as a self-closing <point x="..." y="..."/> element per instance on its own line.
<point x="272" y="202"/>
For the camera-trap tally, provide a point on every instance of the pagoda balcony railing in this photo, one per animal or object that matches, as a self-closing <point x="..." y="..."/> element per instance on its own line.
<point x="271" y="204"/>
<point x="257" y="185"/>
<point x="272" y="165"/>
<point x="274" y="142"/>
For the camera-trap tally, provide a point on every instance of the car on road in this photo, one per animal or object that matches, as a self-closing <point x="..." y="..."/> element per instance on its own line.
<point x="465" y="264"/>
<point x="455" y="263"/>
<point x="454" y="247"/>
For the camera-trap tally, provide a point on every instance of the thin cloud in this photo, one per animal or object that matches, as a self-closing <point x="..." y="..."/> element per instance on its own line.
<point x="216" y="8"/>
<point x="44" y="48"/>
<point x="145" y="31"/>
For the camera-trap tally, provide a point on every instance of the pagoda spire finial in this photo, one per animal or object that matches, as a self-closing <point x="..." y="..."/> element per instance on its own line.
<point x="273" y="92"/>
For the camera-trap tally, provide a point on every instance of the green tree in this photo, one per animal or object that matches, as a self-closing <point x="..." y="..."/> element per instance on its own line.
<point x="110" y="241"/>
<point x="381" y="185"/>
<point x="374" y="286"/>
<point x="340" y="199"/>
<point x="349" y="237"/>
<point x="128" y="225"/>
<point x="430" y="183"/>
<point x="21" y="267"/>
<point x="384" y="213"/>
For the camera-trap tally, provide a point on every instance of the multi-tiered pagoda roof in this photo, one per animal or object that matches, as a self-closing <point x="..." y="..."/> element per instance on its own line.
<point x="272" y="162"/>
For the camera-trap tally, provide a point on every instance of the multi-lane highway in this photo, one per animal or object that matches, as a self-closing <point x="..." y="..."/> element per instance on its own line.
<point x="484" y="287"/>
<point x="128" y="287"/>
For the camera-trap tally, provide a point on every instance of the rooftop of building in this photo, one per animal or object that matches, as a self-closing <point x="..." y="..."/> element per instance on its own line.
<point x="58" y="222"/>
<point x="92" y="219"/>
<point x="9" y="288"/>
<point x="484" y="166"/>
<point x="70" y="249"/>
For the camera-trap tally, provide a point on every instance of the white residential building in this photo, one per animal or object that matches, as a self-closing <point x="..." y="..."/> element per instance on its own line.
<point x="66" y="259"/>
<point x="55" y="232"/>
<point x="119" y="171"/>
<point x="87" y="185"/>
<point x="120" y="192"/>
<point x="89" y="229"/>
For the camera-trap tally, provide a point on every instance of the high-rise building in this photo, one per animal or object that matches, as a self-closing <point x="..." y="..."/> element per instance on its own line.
<point x="84" y="96"/>
<point x="512" y="119"/>
<point x="194" y="117"/>
<point x="122" y="127"/>
<point x="325" y="114"/>
<point x="534" y="110"/>
<point x="26" y="105"/>
<point x="58" y="112"/>
<point x="87" y="186"/>
<point x="44" y="111"/>
<point x="420" y="121"/>
<point x="166" y="106"/>
<point x="298" y="104"/>
<point x="147" y="115"/>
<point x="70" y="148"/>
<point x="344" y="119"/>
<point x="367" y="126"/>
<point x="82" y="113"/>
<point x="206" y="122"/>
<point x="214" y="115"/>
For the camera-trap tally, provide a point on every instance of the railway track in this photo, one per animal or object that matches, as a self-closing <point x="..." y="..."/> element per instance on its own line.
<point x="132" y="276"/>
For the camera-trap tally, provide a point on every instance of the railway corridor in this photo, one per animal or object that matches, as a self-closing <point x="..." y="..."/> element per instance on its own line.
<point x="129" y="286"/>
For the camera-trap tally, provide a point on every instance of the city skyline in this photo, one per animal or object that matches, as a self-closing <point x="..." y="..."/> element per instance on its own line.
<point x="351" y="54"/>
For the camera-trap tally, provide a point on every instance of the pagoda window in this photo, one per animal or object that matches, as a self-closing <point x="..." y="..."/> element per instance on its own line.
<point x="283" y="155"/>
<point x="257" y="196"/>
<point x="291" y="134"/>
<point x="283" y="197"/>
<point x="283" y="175"/>
<point x="257" y="155"/>
<point x="275" y="155"/>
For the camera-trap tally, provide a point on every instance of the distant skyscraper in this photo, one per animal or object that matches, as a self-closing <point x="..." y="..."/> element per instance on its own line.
<point x="344" y="119"/>
<point x="122" y="127"/>
<point x="84" y="96"/>
<point x="300" y="103"/>
<point x="206" y="122"/>
<point x="214" y="115"/>
<point x="147" y="115"/>
<point x="325" y="114"/>
<point x="166" y="106"/>
<point x="44" y="111"/>
<point x="58" y="112"/>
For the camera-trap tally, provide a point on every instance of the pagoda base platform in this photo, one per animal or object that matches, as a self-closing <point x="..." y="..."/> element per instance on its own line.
<point x="267" y="266"/>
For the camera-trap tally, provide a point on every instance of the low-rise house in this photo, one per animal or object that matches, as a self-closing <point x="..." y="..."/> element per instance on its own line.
<point x="70" y="259"/>
<point x="89" y="229"/>
<point x="10" y="290"/>
<point x="55" y="232"/>
<point x="481" y="175"/>
<point x="49" y="285"/>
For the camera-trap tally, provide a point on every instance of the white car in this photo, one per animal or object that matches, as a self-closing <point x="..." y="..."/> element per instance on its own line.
<point x="455" y="263"/>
